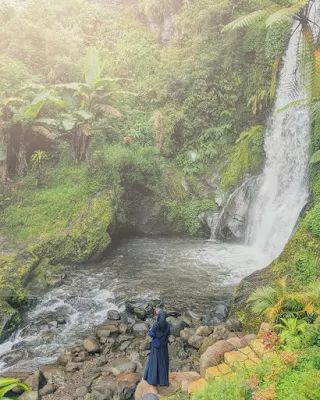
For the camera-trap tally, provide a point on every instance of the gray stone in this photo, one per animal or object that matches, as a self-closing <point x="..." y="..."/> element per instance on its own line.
<point x="234" y="325"/>
<point x="30" y="396"/>
<point x="126" y="390"/>
<point x="187" y="320"/>
<point x="186" y="333"/>
<point x="81" y="392"/>
<point x="140" y="313"/>
<point x="176" y="326"/>
<point x="104" y="385"/>
<point x="140" y="329"/>
<point x="125" y="367"/>
<point x="221" y="331"/>
<point x="195" y="341"/>
<point x="146" y="344"/>
<point x="53" y="324"/>
<point x="54" y="374"/>
<point x="124" y="345"/>
<point x="48" y="389"/>
<point x="113" y="315"/>
<point x="91" y="345"/>
<point x="36" y="381"/>
<point x="96" y="396"/>
<point x="72" y="367"/>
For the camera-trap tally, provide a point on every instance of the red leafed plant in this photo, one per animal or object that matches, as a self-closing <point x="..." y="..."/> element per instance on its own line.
<point x="254" y="382"/>
<point x="127" y="140"/>
<point x="289" y="359"/>
<point x="270" y="340"/>
<point x="267" y="394"/>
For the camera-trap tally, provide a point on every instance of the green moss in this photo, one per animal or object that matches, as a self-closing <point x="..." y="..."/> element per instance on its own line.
<point x="86" y="238"/>
<point x="183" y="214"/>
<point x="9" y="319"/>
<point x="247" y="157"/>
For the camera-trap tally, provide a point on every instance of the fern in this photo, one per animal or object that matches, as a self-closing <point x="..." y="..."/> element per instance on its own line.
<point x="249" y="19"/>
<point x="285" y="15"/>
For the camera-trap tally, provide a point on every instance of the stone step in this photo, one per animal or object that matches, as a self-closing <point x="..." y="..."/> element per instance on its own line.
<point x="197" y="385"/>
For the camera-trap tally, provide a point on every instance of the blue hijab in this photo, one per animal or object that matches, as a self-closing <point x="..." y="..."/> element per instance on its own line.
<point x="161" y="324"/>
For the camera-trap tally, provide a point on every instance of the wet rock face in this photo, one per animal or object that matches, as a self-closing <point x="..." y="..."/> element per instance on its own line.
<point x="232" y="222"/>
<point x="9" y="319"/>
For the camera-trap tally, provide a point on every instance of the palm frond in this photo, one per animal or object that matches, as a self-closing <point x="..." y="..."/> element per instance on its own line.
<point x="249" y="19"/>
<point x="315" y="159"/>
<point x="306" y="62"/>
<point x="296" y="103"/>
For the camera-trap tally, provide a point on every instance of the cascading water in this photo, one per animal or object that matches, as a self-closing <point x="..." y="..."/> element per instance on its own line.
<point x="283" y="190"/>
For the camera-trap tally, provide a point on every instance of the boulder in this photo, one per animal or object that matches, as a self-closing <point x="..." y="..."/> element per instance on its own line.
<point x="221" y="331"/>
<point x="187" y="320"/>
<point x="176" y="326"/>
<point x="140" y="313"/>
<point x="144" y="389"/>
<point x="72" y="367"/>
<point x="195" y="341"/>
<point x="54" y="375"/>
<point x="107" y="330"/>
<point x="186" y="333"/>
<point x="94" y="395"/>
<point x="213" y="355"/>
<point x="36" y="381"/>
<point x="30" y="396"/>
<point x="91" y="345"/>
<point x="140" y="329"/>
<point x="113" y="315"/>
<point x="81" y="392"/>
<point x="66" y="357"/>
<point x="126" y="387"/>
<point x="125" y="367"/>
<point x="203" y="331"/>
<point x="237" y="343"/>
<point x="219" y="314"/>
<point x="104" y="384"/>
<point x="209" y="341"/>
<point x="46" y="390"/>
<point x="184" y="379"/>
<point x="124" y="345"/>
<point x="132" y="377"/>
<point x="248" y="338"/>
<point x="233" y="324"/>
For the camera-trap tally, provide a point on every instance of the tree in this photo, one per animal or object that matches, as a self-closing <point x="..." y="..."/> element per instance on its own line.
<point x="22" y="120"/>
<point x="86" y="102"/>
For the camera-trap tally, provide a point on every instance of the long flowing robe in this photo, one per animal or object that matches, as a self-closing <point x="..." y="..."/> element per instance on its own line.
<point x="157" y="369"/>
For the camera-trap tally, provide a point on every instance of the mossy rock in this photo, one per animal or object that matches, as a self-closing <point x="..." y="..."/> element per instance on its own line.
<point x="9" y="320"/>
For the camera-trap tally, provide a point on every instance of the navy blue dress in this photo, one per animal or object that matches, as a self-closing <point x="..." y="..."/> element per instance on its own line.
<point x="157" y="370"/>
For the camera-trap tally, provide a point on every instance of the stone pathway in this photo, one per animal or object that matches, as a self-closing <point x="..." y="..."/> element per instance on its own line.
<point x="247" y="356"/>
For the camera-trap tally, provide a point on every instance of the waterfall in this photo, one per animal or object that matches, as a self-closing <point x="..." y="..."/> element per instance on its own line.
<point x="283" y="190"/>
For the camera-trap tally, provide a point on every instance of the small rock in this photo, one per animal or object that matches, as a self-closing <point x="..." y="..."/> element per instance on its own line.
<point x="144" y="389"/>
<point x="53" y="324"/>
<point x="66" y="357"/>
<point x="94" y="395"/>
<point x="125" y="367"/>
<point x="140" y="329"/>
<point x="91" y="345"/>
<point x="209" y="341"/>
<point x="54" y="374"/>
<point x="195" y="341"/>
<point x="72" y="367"/>
<point x="103" y="385"/>
<point x="183" y="355"/>
<point x="176" y="326"/>
<point x="132" y="377"/>
<point x="123" y="328"/>
<point x="36" y="381"/>
<point x="233" y="324"/>
<point x="48" y="389"/>
<point x="203" y="331"/>
<point x="187" y="320"/>
<point x="30" y="396"/>
<point x="113" y="315"/>
<point x="140" y="313"/>
<point x="107" y="330"/>
<point x="222" y="331"/>
<point x="186" y="333"/>
<point x="125" y="345"/>
<point x="126" y="390"/>
<point x="81" y="392"/>
<point x="147" y="344"/>
<point x="171" y="339"/>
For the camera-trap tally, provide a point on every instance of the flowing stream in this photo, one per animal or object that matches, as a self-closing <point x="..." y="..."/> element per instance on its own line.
<point x="186" y="273"/>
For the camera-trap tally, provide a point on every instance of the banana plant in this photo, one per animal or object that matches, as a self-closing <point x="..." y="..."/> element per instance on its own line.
<point x="87" y="101"/>
<point x="7" y="384"/>
<point x="22" y="121"/>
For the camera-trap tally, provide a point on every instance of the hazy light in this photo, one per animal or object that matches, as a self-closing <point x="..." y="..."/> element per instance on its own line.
<point x="193" y="156"/>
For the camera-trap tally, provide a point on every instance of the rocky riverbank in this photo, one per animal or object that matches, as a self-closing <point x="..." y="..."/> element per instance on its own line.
<point x="110" y="362"/>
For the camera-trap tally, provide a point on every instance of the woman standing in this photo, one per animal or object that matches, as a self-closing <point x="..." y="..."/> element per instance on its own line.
<point x="157" y="370"/>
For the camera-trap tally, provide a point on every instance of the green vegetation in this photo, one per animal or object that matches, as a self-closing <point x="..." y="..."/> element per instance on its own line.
<point x="7" y="384"/>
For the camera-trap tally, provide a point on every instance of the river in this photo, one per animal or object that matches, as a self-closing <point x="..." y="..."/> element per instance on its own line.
<point x="186" y="273"/>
